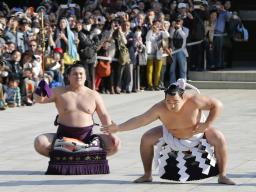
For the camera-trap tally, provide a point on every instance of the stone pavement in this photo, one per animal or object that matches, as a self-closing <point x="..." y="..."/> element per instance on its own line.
<point x="22" y="169"/>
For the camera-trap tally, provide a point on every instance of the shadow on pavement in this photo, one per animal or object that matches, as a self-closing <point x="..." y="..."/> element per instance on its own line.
<point x="242" y="175"/>
<point x="62" y="182"/>
<point x="21" y="172"/>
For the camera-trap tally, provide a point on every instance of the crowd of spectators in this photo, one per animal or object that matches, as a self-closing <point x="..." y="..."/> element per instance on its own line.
<point x="125" y="45"/>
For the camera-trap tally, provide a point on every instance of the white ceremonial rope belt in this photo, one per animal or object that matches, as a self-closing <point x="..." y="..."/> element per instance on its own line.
<point x="180" y="145"/>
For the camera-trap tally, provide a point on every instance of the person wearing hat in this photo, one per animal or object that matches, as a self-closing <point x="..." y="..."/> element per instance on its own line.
<point x="13" y="34"/>
<point x="35" y="26"/>
<point x="49" y="77"/>
<point x="184" y="13"/>
<point x="25" y="30"/>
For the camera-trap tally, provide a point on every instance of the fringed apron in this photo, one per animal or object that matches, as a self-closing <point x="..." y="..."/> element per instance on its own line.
<point x="185" y="159"/>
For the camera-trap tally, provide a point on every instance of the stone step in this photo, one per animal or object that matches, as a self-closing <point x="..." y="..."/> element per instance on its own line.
<point x="223" y="84"/>
<point x="230" y="75"/>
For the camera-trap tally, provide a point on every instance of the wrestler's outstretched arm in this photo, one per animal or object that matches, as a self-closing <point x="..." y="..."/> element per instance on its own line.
<point x="45" y="99"/>
<point x="135" y="122"/>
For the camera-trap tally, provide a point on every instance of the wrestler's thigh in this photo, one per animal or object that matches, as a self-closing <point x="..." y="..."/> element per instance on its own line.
<point x="214" y="136"/>
<point x="153" y="135"/>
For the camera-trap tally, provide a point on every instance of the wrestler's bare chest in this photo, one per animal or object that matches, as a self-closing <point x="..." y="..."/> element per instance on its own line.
<point x="183" y="120"/>
<point x="72" y="102"/>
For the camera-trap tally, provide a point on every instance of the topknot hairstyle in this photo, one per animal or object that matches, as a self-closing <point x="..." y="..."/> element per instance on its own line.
<point x="173" y="89"/>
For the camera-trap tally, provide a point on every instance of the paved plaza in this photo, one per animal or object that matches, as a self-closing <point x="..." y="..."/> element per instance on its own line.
<point x="22" y="169"/>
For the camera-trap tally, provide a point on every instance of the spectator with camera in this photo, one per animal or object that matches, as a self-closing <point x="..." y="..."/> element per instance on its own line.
<point x="178" y="35"/>
<point x="154" y="61"/>
<point x="197" y="34"/>
<point x="140" y="58"/>
<point x="139" y="22"/>
<point x="183" y="11"/>
<point x="87" y="49"/>
<point x="128" y="70"/>
<point x="119" y="42"/>
<point x="219" y="33"/>
<point x="149" y="18"/>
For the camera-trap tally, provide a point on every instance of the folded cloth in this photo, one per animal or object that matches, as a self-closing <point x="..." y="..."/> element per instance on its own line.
<point x="43" y="89"/>
<point x="185" y="160"/>
<point x="76" y="151"/>
<point x="75" y="158"/>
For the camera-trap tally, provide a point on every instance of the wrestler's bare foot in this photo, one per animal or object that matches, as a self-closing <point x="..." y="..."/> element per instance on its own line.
<point x="225" y="180"/>
<point x="143" y="179"/>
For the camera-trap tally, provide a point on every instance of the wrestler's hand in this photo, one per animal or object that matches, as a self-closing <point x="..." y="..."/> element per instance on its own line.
<point x="200" y="128"/>
<point x="38" y="98"/>
<point x="113" y="128"/>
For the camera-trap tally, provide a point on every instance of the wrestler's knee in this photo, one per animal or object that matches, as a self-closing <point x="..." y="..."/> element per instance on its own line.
<point x="115" y="146"/>
<point x="146" y="139"/>
<point x="112" y="143"/>
<point x="216" y="137"/>
<point x="151" y="137"/>
<point x="42" y="144"/>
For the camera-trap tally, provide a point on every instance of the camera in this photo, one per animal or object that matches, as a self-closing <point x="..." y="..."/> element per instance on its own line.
<point x="3" y="73"/>
<point x="2" y="63"/>
<point x="117" y="21"/>
<point x="101" y="20"/>
<point x="120" y="14"/>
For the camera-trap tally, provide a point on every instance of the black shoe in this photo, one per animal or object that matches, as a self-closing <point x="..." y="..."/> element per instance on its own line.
<point x="102" y="91"/>
<point x="193" y="68"/>
<point x="28" y="102"/>
<point x="212" y="68"/>
<point x="199" y="69"/>
<point x="157" y="88"/>
<point x="150" y="89"/>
